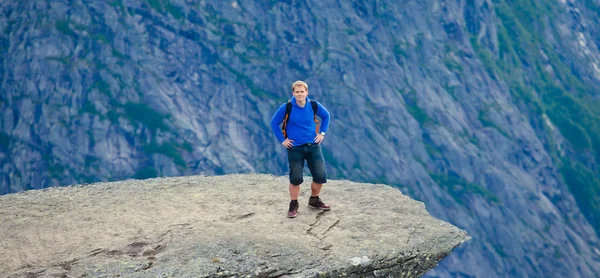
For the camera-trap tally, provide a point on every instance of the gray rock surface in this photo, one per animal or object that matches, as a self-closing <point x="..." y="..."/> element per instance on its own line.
<point x="221" y="226"/>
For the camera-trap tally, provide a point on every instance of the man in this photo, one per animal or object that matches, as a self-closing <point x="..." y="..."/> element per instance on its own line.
<point x="303" y="143"/>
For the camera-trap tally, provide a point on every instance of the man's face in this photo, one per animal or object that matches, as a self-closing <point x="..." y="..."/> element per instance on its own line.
<point x="300" y="93"/>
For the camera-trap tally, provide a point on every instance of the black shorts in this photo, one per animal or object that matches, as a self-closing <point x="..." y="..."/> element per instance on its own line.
<point x="313" y="155"/>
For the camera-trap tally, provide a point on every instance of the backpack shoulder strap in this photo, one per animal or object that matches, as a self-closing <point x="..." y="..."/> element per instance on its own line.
<point x="314" y="105"/>
<point x="288" y="110"/>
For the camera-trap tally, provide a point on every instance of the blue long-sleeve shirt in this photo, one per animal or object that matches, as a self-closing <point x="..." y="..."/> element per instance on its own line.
<point x="300" y="126"/>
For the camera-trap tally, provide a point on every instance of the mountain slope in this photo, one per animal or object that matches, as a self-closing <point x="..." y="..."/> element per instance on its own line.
<point x="484" y="110"/>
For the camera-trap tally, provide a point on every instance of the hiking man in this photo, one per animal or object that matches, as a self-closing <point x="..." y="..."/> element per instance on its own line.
<point x="302" y="138"/>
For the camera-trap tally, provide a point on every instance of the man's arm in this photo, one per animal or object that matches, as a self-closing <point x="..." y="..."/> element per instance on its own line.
<point x="324" y="115"/>
<point x="276" y="121"/>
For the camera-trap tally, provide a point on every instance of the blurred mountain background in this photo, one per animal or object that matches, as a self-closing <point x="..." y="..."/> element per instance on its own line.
<point x="488" y="111"/>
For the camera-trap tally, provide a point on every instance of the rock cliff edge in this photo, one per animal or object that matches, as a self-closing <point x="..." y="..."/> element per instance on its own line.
<point x="220" y="226"/>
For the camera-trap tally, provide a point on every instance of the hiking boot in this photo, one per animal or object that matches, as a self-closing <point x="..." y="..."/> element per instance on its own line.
<point x="316" y="203"/>
<point x="293" y="211"/>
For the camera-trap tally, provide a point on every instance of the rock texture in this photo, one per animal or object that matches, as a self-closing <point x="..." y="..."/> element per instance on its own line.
<point x="224" y="226"/>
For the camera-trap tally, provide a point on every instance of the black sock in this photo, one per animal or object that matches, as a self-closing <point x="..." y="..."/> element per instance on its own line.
<point x="314" y="197"/>
<point x="294" y="201"/>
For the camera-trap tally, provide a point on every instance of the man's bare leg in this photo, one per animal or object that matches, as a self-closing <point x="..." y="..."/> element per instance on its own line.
<point x="315" y="189"/>
<point x="294" y="191"/>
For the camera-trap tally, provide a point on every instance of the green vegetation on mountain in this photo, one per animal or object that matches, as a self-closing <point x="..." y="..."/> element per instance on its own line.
<point x="541" y="80"/>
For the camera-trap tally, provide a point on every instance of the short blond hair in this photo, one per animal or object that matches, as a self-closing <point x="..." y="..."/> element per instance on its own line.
<point x="299" y="83"/>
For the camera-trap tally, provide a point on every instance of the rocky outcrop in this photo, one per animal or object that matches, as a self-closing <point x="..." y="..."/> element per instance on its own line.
<point x="222" y="226"/>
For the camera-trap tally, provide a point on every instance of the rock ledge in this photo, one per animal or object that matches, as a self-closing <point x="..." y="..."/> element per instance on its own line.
<point x="221" y="226"/>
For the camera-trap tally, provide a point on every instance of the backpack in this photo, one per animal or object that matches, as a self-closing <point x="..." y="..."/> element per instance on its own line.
<point x="288" y="110"/>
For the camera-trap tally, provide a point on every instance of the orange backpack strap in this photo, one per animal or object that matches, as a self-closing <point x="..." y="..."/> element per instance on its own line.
<point x="314" y="105"/>
<point x="288" y="110"/>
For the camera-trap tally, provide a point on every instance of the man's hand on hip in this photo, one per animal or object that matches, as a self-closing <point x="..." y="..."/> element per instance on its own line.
<point x="287" y="143"/>
<point x="319" y="138"/>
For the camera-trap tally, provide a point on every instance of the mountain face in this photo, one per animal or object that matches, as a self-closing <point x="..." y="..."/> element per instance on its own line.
<point x="487" y="111"/>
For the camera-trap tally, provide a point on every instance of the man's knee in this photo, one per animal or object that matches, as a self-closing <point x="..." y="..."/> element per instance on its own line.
<point x="320" y="177"/>
<point x="296" y="182"/>
<point x="296" y="175"/>
<point x="318" y="171"/>
<point x="296" y="162"/>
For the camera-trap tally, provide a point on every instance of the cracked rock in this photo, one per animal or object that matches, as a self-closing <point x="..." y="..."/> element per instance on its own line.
<point x="218" y="227"/>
